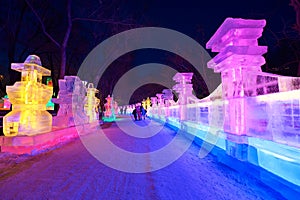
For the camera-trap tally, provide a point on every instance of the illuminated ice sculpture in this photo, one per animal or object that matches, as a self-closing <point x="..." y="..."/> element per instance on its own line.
<point x="239" y="55"/>
<point x="147" y="103"/>
<point x="29" y="98"/>
<point x="91" y="103"/>
<point x="184" y="88"/>
<point x="71" y="96"/>
<point x="110" y="108"/>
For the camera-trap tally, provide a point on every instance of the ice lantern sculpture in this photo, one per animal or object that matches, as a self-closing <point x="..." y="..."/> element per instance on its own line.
<point x="239" y="55"/>
<point x="29" y="98"/>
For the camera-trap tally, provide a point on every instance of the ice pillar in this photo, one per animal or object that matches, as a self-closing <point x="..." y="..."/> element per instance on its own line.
<point x="184" y="88"/>
<point x="239" y="54"/>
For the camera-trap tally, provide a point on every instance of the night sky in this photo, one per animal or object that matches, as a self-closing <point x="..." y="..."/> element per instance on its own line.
<point x="197" y="19"/>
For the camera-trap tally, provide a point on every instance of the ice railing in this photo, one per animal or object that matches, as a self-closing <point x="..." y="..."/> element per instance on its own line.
<point x="260" y="83"/>
<point x="274" y="116"/>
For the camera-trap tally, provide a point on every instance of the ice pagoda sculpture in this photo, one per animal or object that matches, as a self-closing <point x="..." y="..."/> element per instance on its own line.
<point x="239" y="56"/>
<point x="184" y="88"/>
<point x="29" y="98"/>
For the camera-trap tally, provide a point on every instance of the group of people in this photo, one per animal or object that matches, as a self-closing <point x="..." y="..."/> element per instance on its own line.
<point x="139" y="113"/>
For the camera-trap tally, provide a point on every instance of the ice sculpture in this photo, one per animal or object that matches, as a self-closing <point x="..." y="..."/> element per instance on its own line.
<point x="144" y="103"/>
<point x="116" y="107"/>
<point x="239" y="55"/>
<point x="148" y="103"/>
<point x="29" y="98"/>
<point x="168" y="100"/>
<point x="71" y="96"/>
<point x="110" y="107"/>
<point x="92" y="103"/>
<point x="154" y="101"/>
<point x="236" y="40"/>
<point x="184" y="88"/>
<point x="6" y="103"/>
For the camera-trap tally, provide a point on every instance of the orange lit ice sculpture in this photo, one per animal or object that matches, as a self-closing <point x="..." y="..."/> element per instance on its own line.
<point x="148" y="103"/>
<point x="29" y="98"/>
<point x="91" y="103"/>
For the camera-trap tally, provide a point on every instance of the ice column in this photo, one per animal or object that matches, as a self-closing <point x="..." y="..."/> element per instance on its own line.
<point x="153" y="109"/>
<point x="239" y="54"/>
<point x="168" y="98"/>
<point x="184" y="88"/>
<point x="29" y="98"/>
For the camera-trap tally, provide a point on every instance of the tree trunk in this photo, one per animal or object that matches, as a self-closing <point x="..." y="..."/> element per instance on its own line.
<point x="65" y="42"/>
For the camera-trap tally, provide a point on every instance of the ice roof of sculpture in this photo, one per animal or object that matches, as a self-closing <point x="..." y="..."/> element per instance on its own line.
<point x="92" y="88"/>
<point x="32" y="62"/>
<point x="241" y="29"/>
<point x="187" y="77"/>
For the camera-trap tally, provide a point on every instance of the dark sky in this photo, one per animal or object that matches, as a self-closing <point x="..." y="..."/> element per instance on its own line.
<point x="189" y="16"/>
<point x="200" y="19"/>
<point x="197" y="19"/>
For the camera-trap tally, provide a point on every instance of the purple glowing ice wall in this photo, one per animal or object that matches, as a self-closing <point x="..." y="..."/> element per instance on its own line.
<point x="239" y="54"/>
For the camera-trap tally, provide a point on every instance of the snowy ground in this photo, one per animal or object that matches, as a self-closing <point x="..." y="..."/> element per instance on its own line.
<point x="70" y="172"/>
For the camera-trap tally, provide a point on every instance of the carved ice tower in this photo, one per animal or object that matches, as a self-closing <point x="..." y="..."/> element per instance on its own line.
<point x="184" y="88"/>
<point x="239" y="55"/>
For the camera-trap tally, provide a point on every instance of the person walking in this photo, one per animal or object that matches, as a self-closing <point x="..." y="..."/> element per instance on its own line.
<point x="134" y="114"/>
<point x="143" y="111"/>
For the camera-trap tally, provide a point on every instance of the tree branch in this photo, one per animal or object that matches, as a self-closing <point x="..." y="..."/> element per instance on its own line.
<point x="42" y="24"/>
<point x="106" y="21"/>
<point x="69" y="28"/>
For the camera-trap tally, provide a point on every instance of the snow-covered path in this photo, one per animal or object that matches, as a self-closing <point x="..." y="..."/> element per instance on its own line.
<point x="70" y="172"/>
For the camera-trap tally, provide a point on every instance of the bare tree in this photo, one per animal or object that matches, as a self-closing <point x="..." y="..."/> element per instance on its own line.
<point x="61" y="45"/>
<point x="296" y="5"/>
